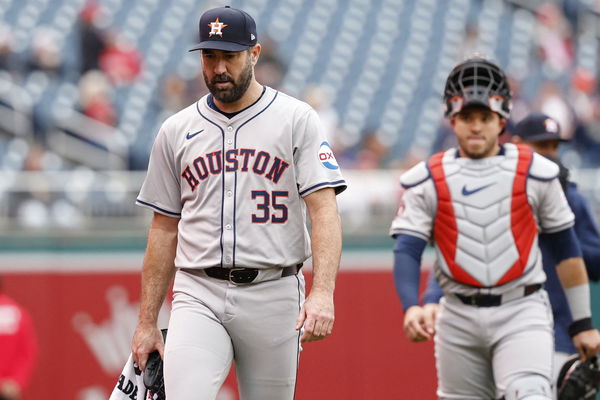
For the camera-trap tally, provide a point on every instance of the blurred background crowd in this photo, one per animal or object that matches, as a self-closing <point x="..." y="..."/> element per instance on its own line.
<point x="85" y="84"/>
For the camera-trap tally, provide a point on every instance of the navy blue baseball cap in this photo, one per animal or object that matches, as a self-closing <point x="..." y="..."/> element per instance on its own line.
<point x="537" y="127"/>
<point x="227" y="29"/>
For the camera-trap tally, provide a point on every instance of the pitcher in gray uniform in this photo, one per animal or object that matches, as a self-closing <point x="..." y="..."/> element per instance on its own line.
<point x="482" y="205"/>
<point x="230" y="180"/>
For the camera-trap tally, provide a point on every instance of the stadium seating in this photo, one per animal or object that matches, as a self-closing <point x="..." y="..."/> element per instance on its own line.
<point x="384" y="63"/>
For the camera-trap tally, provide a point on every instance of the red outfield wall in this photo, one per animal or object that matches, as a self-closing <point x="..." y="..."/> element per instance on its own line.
<point x="84" y="323"/>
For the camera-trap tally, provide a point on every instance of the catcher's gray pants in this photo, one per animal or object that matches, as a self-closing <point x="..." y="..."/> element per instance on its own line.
<point x="481" y="351"/>
<point x="214" y="322"/>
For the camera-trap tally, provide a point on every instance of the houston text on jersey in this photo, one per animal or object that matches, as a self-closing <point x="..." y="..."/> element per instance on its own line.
<point x="235" y="160"/>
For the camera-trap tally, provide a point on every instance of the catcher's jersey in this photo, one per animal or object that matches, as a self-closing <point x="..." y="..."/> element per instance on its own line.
<point x="491" y="230"/>
<point x="237" y="183"/>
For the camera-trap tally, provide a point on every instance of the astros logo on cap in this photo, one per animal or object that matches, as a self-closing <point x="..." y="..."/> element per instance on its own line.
<point x="215" y="28"/>
<point x="551" y="125"/>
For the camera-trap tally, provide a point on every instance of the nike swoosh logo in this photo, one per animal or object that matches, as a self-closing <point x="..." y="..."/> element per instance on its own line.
<point x="191" y="135"/>
<point x="467" y="192"/>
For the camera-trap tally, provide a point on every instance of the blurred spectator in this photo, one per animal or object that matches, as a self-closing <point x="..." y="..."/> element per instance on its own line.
<point x="42" y="207"/>
<point x="583" y="86"/>
<point x="120" y="60"/>
<point x="196" y="87"/>
<point x="412" y="157"/>
<point x="371" y="153"/>
<point x="445" y="139"/>
<point x="8" y="61"/>
<point x="552" y="103"/>
<point x="174" y="94"/>
<point x="95" y="97"/>
<point x="469" y="44"/>
<point x="34" y="161"/>
<point x="587" y="137"/>
<point x="269" y="69"/>
<point x="520" y="108"/>
<point x="573" y="9"/>
<point x="18" y="348"/>
<point x="90" y="36"/>
<point x="553" y="38"/>
<point x="320" y="100"/>
<point x="33" y="208"/>
<point x="45" y="54"/>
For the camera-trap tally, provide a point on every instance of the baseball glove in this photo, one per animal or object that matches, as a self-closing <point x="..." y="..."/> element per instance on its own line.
<point x="578" y="380"/>
<point x="153" y="374"/>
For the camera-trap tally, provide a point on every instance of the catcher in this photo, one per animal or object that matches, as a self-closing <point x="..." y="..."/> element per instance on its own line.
<point x="483" y="205"/>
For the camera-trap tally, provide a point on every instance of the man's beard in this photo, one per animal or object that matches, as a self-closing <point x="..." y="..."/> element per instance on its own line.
<point x="475" y="156"/>
<point x="234" y="93"/>
<point x="486" y="151"/>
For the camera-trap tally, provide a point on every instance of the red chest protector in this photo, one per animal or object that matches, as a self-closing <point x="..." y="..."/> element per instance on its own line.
<point x="523" y="226"/>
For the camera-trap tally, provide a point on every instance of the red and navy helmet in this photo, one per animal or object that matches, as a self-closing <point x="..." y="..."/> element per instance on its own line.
<point x="477" y="82"/>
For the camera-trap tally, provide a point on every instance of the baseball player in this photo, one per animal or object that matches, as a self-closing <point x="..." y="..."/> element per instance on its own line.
<point x="542" y="134"/>
<point x="482" y="205"/>
<point x="230" y="181"/>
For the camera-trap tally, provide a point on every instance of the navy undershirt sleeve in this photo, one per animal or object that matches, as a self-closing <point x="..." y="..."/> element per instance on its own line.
<point x="433" y="291"/>
<point x="586" y="231"/>
<point x="563" y="245"/>
<point x="407" y="268"/>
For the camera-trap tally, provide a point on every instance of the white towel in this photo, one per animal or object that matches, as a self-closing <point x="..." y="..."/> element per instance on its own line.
<point x="131" y="384"/>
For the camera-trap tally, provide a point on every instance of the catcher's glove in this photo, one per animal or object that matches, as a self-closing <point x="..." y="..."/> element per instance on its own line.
<point x="578" y="380"/>
<point x="153" y="374"/>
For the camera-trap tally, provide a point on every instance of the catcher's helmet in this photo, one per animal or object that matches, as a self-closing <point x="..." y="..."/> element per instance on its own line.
<point x="578" y="380"/>
<point x="480" y="82"/>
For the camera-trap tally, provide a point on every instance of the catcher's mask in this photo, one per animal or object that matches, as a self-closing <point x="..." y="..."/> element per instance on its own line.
<point x="477" y="82"/>
<point x="578" y="380"/>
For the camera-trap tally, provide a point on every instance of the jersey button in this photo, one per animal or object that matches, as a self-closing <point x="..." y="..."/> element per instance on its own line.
<point x="228" y="259"/>
<point x="230" y="128"/>
<point x="229" y="141"/>
<point x="227" y="226"/>
<point x="229" y="193"/>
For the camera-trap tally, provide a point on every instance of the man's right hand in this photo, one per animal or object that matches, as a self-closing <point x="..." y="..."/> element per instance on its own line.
<point x="419" y="322"/>
<point x="146" y="339"/>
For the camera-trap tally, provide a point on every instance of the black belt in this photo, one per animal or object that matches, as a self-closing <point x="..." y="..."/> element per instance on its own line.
<point x="493" y="300"/>
<point x="241" y="276"/>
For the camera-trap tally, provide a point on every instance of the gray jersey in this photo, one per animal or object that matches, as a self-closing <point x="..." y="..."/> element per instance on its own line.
<point x="481" y="197"/>
<point x="237" y="183"/>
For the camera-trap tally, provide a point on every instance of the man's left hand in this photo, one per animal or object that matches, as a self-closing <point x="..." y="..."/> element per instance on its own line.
<point x="587" y="343"/>
<point x="316" y="316"/>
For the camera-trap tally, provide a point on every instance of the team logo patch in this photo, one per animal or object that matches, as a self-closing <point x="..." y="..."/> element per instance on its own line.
<point x="216" y="27"/>
<point x="551" y="125"/>
<point x="495" y="103"/>
<point x="456" y="103"/>
<point x="190" y="135"/>
<point x="326" y="156"/>
<point x="468" y="192"/>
